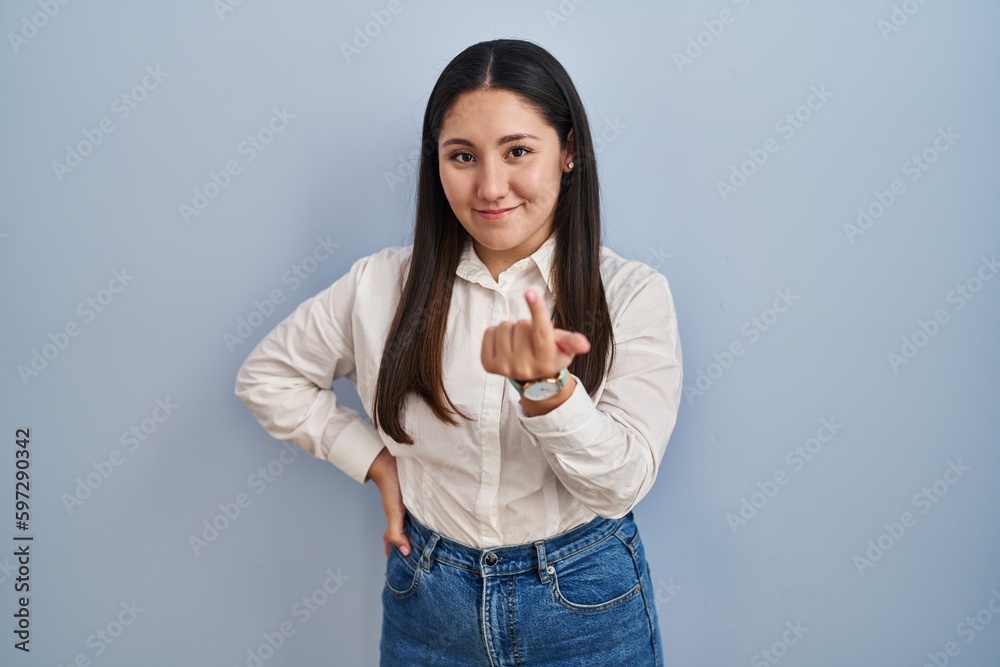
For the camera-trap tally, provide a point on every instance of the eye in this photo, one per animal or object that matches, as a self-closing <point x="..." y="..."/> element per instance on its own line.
<point x="457" y="157"/>
<point x="524" y="150"/>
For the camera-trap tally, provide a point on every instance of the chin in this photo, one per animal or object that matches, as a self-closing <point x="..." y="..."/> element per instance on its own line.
<point x="500" y="241"/>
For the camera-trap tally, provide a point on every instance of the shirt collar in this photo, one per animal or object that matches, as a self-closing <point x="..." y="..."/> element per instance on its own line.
<point x="472" y="268"/>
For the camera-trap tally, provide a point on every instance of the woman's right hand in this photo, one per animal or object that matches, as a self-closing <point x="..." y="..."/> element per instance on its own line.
<point x="383" y="473"/>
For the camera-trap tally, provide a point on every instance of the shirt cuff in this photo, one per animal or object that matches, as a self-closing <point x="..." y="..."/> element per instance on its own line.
<point x="566" y="427"/>
<point x="355" y="449"/>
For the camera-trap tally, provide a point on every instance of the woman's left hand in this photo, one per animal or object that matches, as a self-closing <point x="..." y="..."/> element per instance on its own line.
<point x="533" y="348"/>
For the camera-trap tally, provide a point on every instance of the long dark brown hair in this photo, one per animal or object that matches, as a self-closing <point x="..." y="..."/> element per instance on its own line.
<point x="412" y="358"/>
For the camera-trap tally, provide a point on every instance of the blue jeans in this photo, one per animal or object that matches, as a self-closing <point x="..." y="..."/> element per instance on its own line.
<point x="581" y="598"/>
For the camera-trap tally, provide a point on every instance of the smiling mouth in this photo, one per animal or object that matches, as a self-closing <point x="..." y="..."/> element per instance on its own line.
<point x="495" y="213"/>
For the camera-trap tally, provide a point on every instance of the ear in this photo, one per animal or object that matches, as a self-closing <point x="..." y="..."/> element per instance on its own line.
<point x="570" y="148"/>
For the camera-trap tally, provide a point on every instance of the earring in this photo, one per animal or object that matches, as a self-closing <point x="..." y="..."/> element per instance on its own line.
<point x="571" y="165"/>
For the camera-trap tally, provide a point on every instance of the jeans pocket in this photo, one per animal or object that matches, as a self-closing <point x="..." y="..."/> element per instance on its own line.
<point x="402" y="574"/>
<point x="598" y="578"/>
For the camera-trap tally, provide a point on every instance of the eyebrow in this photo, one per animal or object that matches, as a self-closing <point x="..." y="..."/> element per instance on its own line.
<point x="506" y="139"/>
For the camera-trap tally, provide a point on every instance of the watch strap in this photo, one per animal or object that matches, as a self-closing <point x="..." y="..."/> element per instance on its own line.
<point x="561" y="378"/>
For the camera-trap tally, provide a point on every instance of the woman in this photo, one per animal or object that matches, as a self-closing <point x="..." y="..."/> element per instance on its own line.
<point x="509" y="444"/>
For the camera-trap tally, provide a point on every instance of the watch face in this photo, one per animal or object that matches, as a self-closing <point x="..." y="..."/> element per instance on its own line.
<point x="539" y="391"/>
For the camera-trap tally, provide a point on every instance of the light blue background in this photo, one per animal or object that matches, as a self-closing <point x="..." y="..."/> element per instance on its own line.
<point x="673" y="132"/>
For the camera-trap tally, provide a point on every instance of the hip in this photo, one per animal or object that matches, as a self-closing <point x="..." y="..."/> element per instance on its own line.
<point x="582" y="596"/>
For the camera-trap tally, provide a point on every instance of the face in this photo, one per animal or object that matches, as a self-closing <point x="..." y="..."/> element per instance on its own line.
<point x="501" y="167"/>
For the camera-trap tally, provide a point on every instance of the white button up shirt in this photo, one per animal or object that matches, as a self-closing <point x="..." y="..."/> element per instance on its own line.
<point x="503" y="477"/>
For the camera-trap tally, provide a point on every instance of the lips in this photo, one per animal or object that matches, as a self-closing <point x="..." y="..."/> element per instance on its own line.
<point x="495" y="213"/>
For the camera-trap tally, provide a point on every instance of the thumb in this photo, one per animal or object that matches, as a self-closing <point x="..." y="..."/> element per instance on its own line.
<point x="572" y="342"/>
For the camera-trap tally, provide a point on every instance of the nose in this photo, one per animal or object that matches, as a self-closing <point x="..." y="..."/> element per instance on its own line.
<point x="492" y="183"/>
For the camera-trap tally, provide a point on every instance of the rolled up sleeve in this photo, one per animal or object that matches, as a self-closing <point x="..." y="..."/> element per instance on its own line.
<point x="285" y="381"/>
<point x="608" y="453"/>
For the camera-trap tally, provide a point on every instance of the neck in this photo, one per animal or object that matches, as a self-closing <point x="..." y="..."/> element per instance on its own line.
<point x="498" y="261"/>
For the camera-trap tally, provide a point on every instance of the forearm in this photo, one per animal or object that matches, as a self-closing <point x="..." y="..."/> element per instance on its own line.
<point x="285" y="382"/>
<point x="607" y="453"/>
<point x="384" y="464"/>
<point x="608" y="464"/>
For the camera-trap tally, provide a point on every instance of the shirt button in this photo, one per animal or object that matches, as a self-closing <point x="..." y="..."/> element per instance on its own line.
<point x="491" y="559"/>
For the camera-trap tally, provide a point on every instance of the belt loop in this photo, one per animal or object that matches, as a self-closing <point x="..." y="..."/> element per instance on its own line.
<point x="425" y="556"/>
<point x="543" y="564"/>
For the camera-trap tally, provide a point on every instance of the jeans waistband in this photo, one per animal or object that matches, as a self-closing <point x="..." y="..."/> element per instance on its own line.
<point x="429" y="546"/>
